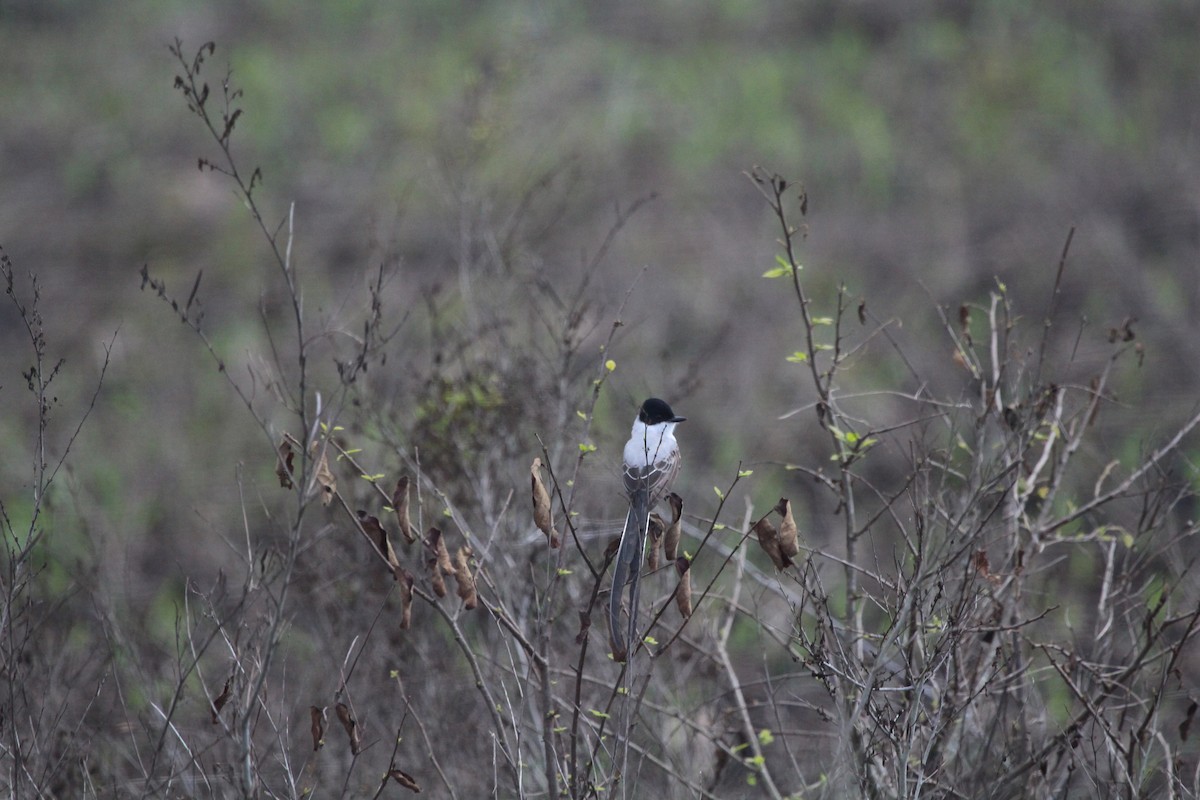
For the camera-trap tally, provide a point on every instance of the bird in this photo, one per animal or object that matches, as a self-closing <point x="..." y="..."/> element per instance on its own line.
<point x="651" y="462"/>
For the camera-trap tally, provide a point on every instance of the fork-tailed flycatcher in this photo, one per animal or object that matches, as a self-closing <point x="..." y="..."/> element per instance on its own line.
<point x="651" y="463"/>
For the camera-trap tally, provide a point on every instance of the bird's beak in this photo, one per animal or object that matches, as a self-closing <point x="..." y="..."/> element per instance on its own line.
<point x="679" y="419"/>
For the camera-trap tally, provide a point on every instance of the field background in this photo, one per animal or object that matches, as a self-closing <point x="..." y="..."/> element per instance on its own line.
<point x="481" y="153"/>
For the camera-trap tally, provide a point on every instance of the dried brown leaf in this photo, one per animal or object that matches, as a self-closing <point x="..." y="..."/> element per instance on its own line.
<point x="610" y="552"/>
<point x="464" y="578"/>
<point x="318" y="726"/>
<point x="404" y="779"/>
<point x="542" y="508"/>
<point x="351" y="725"/>
<point x="406" y="581"/>
<point x="788" y="540"/>
<point x="400" y="505"/>
<point x="221" y="700"/>
<point x="683" y="595"/>
<point x="435" y="541"/>
<point x="655" y="534"/>
<point x="326" y="479"/>
<point x="674" y="531"/>
<point x="284" y="464"/>
<point x="1186" y="726"/>
<point x="437" y="560"/>
<point x="585" y="624"/>
<point x="768" y="540"/>
<point x="379" y="537"/>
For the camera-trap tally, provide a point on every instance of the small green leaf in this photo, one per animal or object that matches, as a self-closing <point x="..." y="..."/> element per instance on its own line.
<point x="587" y="447"/>
<point x="718" y="526"/>
<point x="822" y="320"/>
<point x="581" y="415"/>
<point x="562" y="572"/>
<point x="610" y="365"/>
<point x="745" y="473"/>
<point x="777" y="272"/>
<point x="597" y="713"/>
<point x="650" y="640"/>
<point x="765" y="737"/>
<point x="798" y="357"/>
<point x="720" y="494"/>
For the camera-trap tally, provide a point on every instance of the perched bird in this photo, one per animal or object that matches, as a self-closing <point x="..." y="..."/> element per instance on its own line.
<point x="651" y="462"/>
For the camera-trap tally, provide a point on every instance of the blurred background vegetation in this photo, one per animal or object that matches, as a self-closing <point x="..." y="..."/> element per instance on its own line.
<point x="478" y="148"/>
<point x="944" y="145"/>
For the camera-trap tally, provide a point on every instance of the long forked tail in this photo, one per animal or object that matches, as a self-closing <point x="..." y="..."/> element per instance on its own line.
<point x="628" y="570"/>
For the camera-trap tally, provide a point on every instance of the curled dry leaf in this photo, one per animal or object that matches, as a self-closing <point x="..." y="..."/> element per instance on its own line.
<point x="671" y="539"/>
<point x="318" y="726"/>
<point x="400" y="505"/>
<point x="404" y="779"/>
<point x="379" y="536"/>
<point x="655" y="534"/>
<point x="436" y="541"/>
<point x="789" y="545"/>
<point x="325" y="479"/>
<point x="683" y="595"/>
<point x="285" y="463"/>
<point x="406" y="595"/>
<point x="768" y="540"/>
<point x="585" y="624"/>
<point x="610" y="552"/>
<point x="542" y="508"/>
<point x="351" y="725"/>
<point x="437" y="560"/>
<point x="222" y="699"/>
<point x="464" y="578"/>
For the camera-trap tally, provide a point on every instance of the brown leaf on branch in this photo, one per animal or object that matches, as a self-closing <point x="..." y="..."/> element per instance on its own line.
<point x="285" y="462"/>
<point x="768" y="540"/>
<point x="655" y="534"/>
<point x="683" y="595"/>
<point x="585" y="624"/>
<point x="437" y="560"/>
<point x="351" y="725"/>
<point x="674" y="531"/>
<point x="464" y="578"/>
<point x="1186" y="726"/>
<point x="318" y="726"/>
<point x="379" y="536"/>
<point x="542" y="508"/>
<point x="610" y="552"/>
<point x="789" y="545"/>
<point x="404" y="779"/>
<point x="400" y="505"/>
<point x="406" y="581"/>
<point x="325" y="478"/>
<point x="221" y="700"/>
